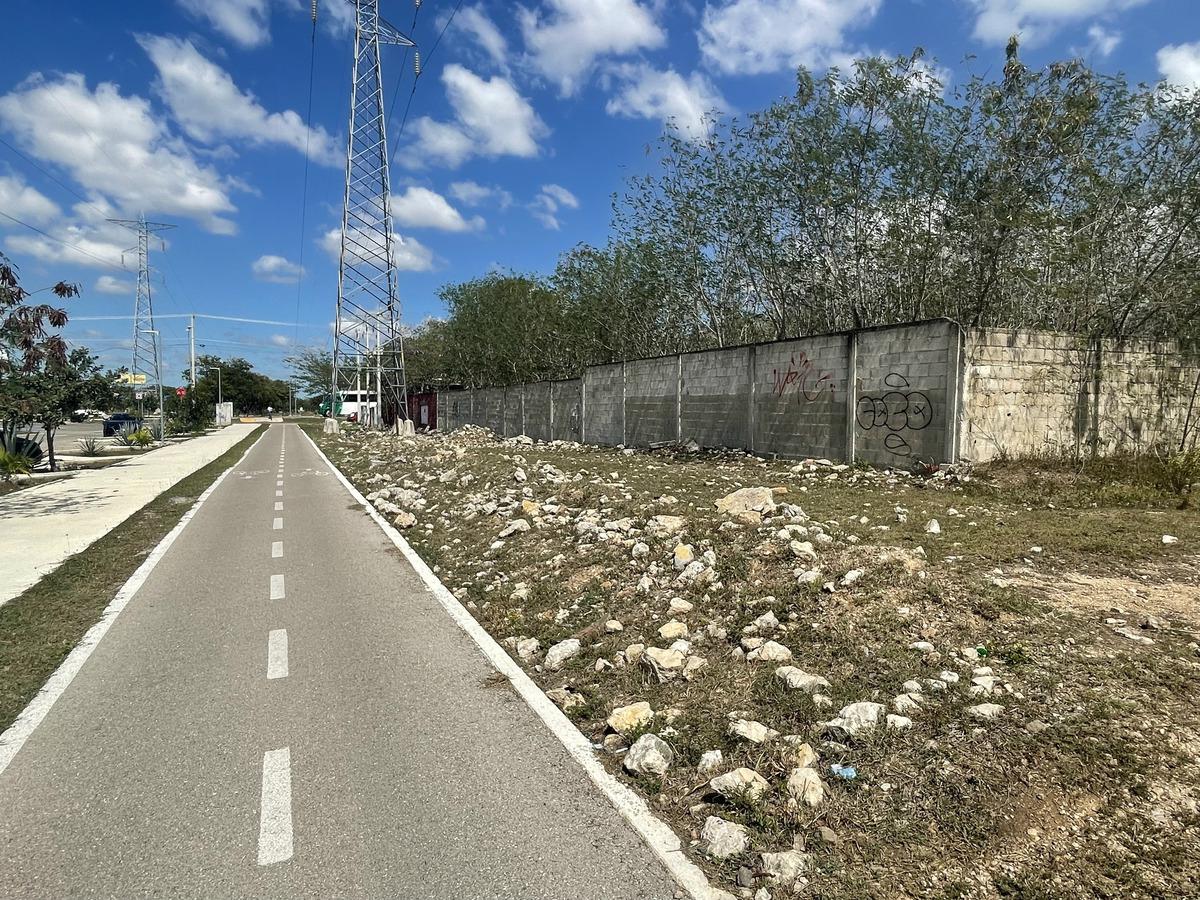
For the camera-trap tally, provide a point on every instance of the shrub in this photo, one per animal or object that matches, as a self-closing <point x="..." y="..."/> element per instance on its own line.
<point x="125" y="438"/>
<point x="13" y="464"/>
<point x="1177" y="472"/>
<point x="90" y="447"/>
<point x="143" y="437"/>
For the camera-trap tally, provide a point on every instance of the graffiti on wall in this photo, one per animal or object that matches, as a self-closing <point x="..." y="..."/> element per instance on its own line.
<point x="896" y="411"/>
<point x="804" y="378"/>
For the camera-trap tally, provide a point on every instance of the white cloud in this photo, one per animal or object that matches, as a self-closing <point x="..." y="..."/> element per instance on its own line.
<point x="475" y="22"/>
<point x="106" y="284"/>
<point x="76" y="245"/>
<point x="749" y="37"/>
<point x="210" y="107"/>
<point x="242" y="21"/>
<point x="490" y="119"/>
<point x="546" y="205"/>
<point x="420" y="207"/>
<point x="409" y="254"/>
<point x="565" y="43"/>
<point x="685" y="103"/>
<point x="1037" y="20"/>
<point x="472" y="193"/>
<point x="115" y="148"/>
<point x="281" y="340"/>
<point x="1102" y="41"/>
<point x="21" y="201"/>
<point x="276" y="270"/>
<point x="1180" y="64"/>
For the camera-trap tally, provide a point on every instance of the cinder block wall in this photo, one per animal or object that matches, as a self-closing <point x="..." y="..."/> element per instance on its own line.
<point x="1031" y="393"/>
<point x="715" y="397"/>
<point x="885" y="395"/>
<point x="651" y="401"/>
<point x="800" y="403"/>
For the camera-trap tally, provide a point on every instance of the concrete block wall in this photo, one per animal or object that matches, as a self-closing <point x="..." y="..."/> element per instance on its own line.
<point x="906" y="405"/>
<point x="715" y="391"/>
<point x="567" y="409"/>
<point x="651" y="401"/>
<point x="604" y="405"/>
<point x="513" y="410"/>
<point x="536" y="412"/>
<point x="1033" y="393"/>
<point x="800" y="397"/>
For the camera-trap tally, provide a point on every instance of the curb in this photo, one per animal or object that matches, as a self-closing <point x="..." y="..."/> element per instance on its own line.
<point x="15" y="736"/>
<point x="659" y="837"/>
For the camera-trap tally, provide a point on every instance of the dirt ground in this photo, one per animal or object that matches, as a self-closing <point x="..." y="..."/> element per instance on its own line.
<point x="1033" y="655"/>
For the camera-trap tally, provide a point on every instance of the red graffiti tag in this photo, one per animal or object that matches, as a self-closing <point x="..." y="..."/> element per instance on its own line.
<point x="809" y="382"/>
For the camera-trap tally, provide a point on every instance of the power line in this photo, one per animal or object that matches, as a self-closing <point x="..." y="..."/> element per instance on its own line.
<point x="197" y="315"/>
<point x="58" y="240"/>
<point x="417" y="79"/>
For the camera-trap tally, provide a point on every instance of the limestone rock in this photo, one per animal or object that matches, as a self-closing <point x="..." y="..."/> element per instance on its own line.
<point x="985" y="710"/>
<point x="798" y="679"/>
<point x="724" y="839"/>
<point x="649" y="755"/>
<point x="747" y="500"/>
<point x="625" y="719"/>
<point x="754" y="732"/>
<point x="740" y="783"/>
<point x="710" y="761"/>
<point x="663" y="526"/>
<point x="857" y="717"/>
<point x="516" y="526"/>
<point x="557" y="655"/>
<point x="684" y="556"/>
<point x="673" y="630"/>
<point x="770" y="652"/>
<point x="665" y="664"/>
<point x="785" y="867"/>
<point x="805" y="785"/>
<point x="612" y="626"/>
<point x="528" y="648"/>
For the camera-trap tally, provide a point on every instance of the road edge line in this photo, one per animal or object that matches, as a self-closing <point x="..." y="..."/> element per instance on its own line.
<point x="15" y="736"/>
<point x="663" y="842"/>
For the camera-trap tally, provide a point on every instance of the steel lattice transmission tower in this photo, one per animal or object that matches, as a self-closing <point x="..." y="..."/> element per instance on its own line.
<point x="368" y="352"/>
<point x="146" y="357"/>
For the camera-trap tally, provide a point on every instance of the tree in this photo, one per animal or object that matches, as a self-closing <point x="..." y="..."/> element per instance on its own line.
<point x="62" y="387"/>
<point x="29" y="344"/>
<point x="312" y="372"/>
<point x="250" y="392"/>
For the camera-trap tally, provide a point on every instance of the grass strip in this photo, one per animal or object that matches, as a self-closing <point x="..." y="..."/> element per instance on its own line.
<point x="41" y="626"/>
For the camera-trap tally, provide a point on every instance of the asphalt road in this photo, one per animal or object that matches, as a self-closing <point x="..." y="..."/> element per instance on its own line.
<point x="284" y="711"/>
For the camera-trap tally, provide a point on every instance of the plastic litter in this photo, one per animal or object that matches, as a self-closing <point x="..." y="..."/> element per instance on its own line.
<point x="846" y="773"/>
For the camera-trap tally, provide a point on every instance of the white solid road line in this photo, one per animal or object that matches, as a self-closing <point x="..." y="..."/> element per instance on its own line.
<point x="276" y="549"/>
<point x="19" y="731"/>
<point x="275" y="811"/>
<point x="276" y="587"/>
<point x="277" y="653"/>
<point x="278" y="523"/>
<point x="659" y="837"/>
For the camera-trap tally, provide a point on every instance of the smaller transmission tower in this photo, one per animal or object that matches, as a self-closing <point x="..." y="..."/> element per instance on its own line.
<point x="146" y="356"/>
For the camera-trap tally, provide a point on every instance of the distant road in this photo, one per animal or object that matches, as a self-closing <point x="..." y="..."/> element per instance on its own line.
<point x="284" y="710"/>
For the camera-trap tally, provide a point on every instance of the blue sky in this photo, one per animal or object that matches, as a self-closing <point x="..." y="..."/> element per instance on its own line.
<point x="528" y="117"/>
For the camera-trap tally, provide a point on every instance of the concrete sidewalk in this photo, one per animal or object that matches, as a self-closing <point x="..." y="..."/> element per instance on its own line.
<point x="44" y="525"/>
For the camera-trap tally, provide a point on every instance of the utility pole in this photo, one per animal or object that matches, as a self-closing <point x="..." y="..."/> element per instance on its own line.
<point x="192" y="348"/>
<point x="367" y="298"/>
<point x="146" y="358"/>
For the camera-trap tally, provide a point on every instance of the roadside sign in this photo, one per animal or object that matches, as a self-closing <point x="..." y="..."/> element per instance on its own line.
<point x="137" y="395"/>
<point x="132" y="378"/>
<point x="180" y="392"/>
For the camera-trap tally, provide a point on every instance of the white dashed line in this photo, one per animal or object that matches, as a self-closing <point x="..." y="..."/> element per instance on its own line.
<point x="279" y="493"/>
<point x="278" y="506"/>
<point x="278" y="523"/>
<point x="276" y="587"/>
<point x="277" y="654"/>
<point x="275" y="811"/>
<point x="276" y="549"/>
<point x="279" y="483"/>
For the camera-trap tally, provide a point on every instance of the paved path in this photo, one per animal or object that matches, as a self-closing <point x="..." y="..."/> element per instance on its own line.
<point x="45" y="524"/>
<point x="283" y="710"/>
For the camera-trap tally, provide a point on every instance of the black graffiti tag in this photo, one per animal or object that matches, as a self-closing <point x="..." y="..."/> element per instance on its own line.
<point x="896" y="410"/>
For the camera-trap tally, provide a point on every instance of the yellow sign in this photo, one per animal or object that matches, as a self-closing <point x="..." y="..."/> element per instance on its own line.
<point x="131" y="378"/>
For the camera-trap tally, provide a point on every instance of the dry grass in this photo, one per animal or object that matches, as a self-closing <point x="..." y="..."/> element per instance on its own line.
<point x="1101" y="803"/>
